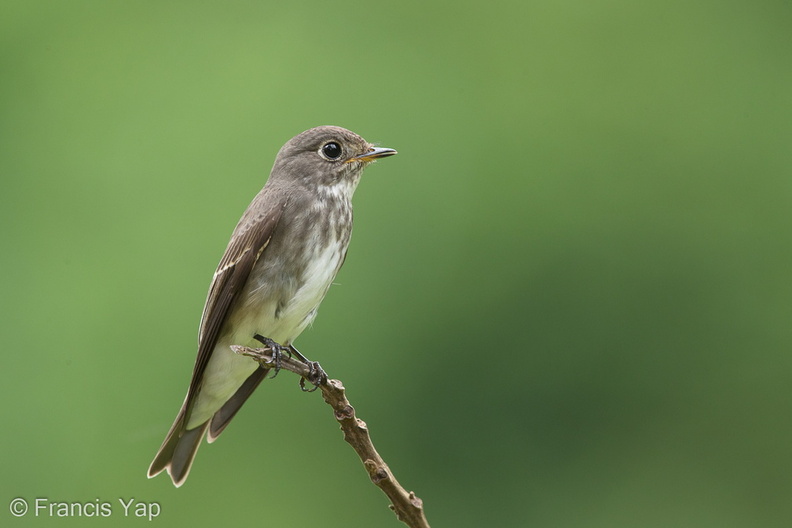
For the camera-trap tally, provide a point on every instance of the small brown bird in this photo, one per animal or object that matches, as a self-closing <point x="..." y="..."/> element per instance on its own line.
<point x="281" y="259"/>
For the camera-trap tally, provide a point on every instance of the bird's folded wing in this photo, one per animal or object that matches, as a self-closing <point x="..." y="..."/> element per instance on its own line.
<point x="250" y="240"/>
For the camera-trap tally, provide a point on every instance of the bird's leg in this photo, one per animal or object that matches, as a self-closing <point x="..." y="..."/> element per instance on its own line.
<point x="316" y="374"/>
<point x="277" y="351"/>
<point x="296" y="352"/>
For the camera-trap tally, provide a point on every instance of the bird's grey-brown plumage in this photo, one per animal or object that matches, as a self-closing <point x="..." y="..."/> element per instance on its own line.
<point x="281" y="259"/>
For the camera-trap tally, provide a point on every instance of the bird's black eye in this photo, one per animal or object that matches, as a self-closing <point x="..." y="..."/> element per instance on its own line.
<point x="332" y="150"/>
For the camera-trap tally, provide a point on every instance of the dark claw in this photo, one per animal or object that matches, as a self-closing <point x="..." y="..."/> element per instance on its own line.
<point x="316" y="376"/>
<point x="277" y="351"/>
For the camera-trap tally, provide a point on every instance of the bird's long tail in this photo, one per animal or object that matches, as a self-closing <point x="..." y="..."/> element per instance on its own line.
<point x="178" y="451"/>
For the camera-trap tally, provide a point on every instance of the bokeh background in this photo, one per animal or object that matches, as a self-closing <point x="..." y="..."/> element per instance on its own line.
<point x="567" y="300"/>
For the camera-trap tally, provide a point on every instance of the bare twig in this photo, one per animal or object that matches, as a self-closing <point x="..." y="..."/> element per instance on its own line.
<point x="407" y="506"/>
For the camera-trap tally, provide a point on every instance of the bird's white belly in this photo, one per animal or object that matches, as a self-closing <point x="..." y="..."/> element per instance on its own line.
<point x="301" y="310"/>
<point x="227" y="371"/>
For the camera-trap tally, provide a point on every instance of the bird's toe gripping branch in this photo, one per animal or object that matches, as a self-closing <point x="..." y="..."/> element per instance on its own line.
<point x="277" y="351"/>
<point x="316" y="375"/>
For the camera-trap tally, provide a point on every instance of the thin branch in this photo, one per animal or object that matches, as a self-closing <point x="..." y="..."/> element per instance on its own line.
<point x="407" y="506"/>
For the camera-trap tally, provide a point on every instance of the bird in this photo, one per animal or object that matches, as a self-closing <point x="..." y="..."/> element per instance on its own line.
<point x="281" y="259"/>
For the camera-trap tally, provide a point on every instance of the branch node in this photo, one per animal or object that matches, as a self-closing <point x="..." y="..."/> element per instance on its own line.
<point x="415" y="500"/>
<point x="377" y="472"/>
<point x="344" y="413"/>
<point x="379" y="476"/>
<point x="407" y="507"/>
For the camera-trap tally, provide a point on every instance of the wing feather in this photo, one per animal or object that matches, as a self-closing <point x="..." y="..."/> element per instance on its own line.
<point x="248" y="243"/>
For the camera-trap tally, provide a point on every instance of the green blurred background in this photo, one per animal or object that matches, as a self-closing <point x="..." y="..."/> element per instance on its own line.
<point x="566" y="303"/>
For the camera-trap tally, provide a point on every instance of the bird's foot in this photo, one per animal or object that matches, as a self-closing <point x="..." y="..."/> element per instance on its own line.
<point x="316" y="376"/>
<point x="277" y="351"/>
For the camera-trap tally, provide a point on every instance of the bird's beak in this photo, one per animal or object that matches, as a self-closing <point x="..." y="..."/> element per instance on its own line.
<point x="373" y="154"/>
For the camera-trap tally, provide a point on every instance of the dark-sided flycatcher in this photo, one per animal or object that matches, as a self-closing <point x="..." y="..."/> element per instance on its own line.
<point x="283" y="255"/>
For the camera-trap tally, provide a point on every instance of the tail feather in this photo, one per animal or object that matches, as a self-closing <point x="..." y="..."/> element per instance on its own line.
<point x="178" y="451"/>
<point x="184" y="454"/>
<point x="229" y="409"/>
